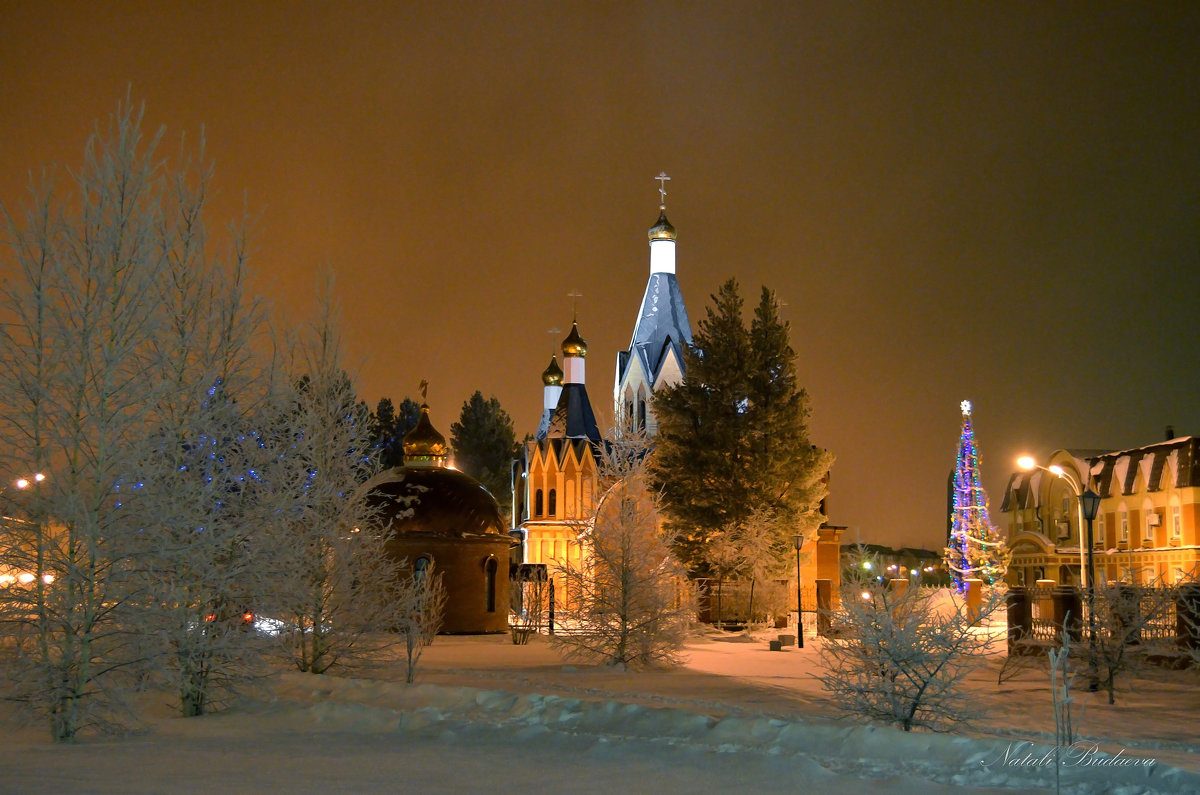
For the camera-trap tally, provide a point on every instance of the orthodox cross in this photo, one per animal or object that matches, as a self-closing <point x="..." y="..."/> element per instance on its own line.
<point x="663" y="179"/>
<point x="574" y="295"/>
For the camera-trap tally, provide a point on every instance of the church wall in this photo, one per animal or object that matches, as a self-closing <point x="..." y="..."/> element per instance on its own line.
<point x="463" y="564"/>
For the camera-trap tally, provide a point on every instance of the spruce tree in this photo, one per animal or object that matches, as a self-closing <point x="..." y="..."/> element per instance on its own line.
<point x="790" y="471"/>
<point x="733" y="437"/>
<point x="976" y="550"/>
<point x="388" y="428"/>
<point x="484" y="444"/>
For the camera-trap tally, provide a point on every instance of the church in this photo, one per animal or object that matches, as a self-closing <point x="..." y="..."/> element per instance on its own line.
<point x="555" y="475"/>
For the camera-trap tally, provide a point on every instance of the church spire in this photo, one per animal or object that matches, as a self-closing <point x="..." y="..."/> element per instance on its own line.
<point x="661" y="330"/>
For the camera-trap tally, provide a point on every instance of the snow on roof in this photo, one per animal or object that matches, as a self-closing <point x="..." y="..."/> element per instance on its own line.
<point x="662" y="325"/>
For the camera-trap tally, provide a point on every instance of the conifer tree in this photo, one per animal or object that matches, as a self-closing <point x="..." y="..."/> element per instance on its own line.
<point x="733" y="437"/>
<point x="484" y="444"/>
<point x="387" y="442"/>
<point x="976" y="550"/>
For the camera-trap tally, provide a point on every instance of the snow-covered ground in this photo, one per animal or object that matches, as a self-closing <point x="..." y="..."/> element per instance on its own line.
<point x="485" y="714"/>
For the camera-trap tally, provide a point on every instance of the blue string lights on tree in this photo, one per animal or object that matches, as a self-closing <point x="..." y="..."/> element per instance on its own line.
<point x="976" y="550"/>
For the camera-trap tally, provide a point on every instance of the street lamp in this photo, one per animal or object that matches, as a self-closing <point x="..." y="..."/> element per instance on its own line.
<point x="1089" y="503"/>
<point x="1027" y="463"/>
<point x="23" y="483"/>
<point x="797" y="542"/>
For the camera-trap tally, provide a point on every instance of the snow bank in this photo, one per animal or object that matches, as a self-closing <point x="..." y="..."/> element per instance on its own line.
<point x="863" y="751"/>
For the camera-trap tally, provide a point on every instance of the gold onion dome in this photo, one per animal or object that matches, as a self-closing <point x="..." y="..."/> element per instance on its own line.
<point x="424" y="441"/>
<point x="574" y="345"/>
<point x="662" y="229"/>
<point x="552" y="375"/>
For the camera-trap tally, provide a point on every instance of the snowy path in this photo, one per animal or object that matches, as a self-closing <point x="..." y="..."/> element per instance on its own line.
<point x="486" y="715"/>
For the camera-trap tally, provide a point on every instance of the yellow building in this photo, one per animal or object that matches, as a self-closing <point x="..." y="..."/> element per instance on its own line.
<point x="556" y="475"/>
<point x="1145" y="529"/>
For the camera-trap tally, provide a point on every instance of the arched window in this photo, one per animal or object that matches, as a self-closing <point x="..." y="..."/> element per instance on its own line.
<point x="641" y="424"/>
<point x="537" y="503"/>
<point x="489" y="569"/>
<point x="570" y="507"/>
<point x="553" y="497"/>
<point x="421" y="567"/>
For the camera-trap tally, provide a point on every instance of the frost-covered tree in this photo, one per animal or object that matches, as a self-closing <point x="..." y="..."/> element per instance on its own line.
<point x="528" y="602"/>
<point x="1124" y="614"/>
<point x="197" y="558"/>
<point x="200" y="491"/>
<point x="900" y="659"/>
<point x="333" y="585"/>
<point x="758" y="537"/>
<point x="85" y="389"/>
<point x="420" y="607"/>
<point x="631" y="607"/>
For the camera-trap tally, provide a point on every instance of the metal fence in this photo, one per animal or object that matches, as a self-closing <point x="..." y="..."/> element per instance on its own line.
<point x="1141" y="614"/>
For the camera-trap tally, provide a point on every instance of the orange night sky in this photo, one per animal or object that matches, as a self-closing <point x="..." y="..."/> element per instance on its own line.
<point x="993" y="201"/>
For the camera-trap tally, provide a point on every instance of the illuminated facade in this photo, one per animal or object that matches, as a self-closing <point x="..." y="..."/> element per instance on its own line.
<point x="1146" y="527"/>
<point x="655" y="354"/>
<point x="555" y="478"/>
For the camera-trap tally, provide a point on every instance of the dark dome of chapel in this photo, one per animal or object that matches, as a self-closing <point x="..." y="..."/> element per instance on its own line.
<point x="443" y="502"/>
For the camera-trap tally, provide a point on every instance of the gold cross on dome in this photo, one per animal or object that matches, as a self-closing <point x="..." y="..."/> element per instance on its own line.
<point x="663" y="179"/>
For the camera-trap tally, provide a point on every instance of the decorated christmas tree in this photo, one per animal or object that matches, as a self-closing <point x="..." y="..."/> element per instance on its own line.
<point x="976" y="550"/>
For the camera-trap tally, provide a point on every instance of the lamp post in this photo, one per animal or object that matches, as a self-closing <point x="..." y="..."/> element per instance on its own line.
<point x="1089" y="504"/>
<point x="1026" y="463"/>
<point x="797" y="542"/>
